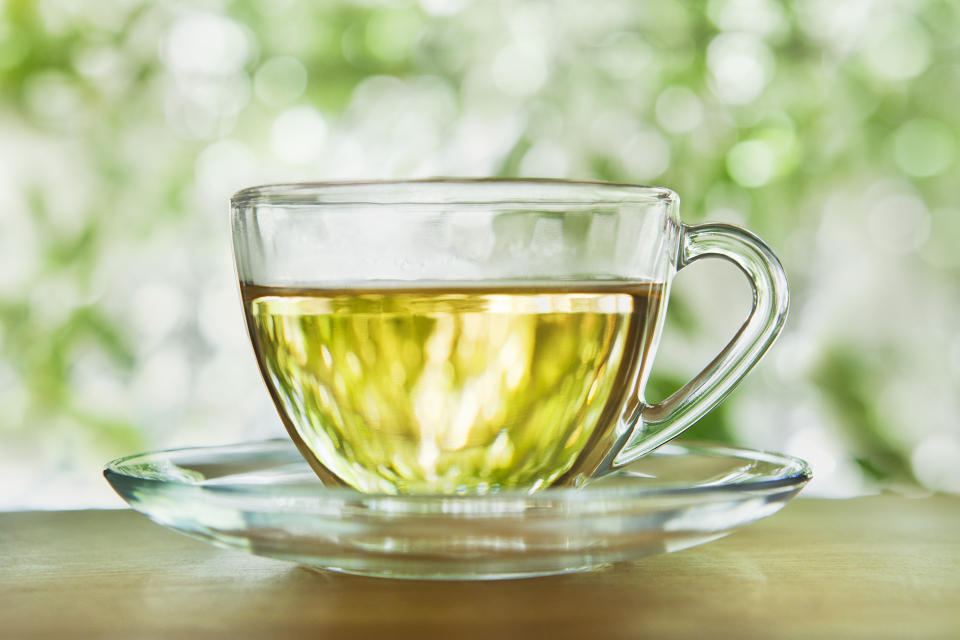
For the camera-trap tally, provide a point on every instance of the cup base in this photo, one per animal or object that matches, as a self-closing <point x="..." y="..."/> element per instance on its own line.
<point x="430" y="574"/>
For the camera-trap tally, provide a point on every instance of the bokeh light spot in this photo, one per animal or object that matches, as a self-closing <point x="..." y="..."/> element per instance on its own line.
<point x="520" y="69"/>
<point x="54" y="98"/>
<point x="224" y="167"/>
<point x="934" y="462"/>
<point x="740" y="66"/>
<point x="546" y="159"/>
<point x="679" y="110"/>
<point x="898" y="50"/>
<point x="206" y="44"/>
<point x="940" y="250"/>
<point x="298" y="134"/>
<point x="391" y="34"/>
<point x="443" y="7"/>
<point x="645" y="156"/>
<point x="628" y="57"/>
<point x="280" y="80"/>
<point x="163" y="381"/>
<point x="899" y="224"/>
<point x="751" y="163"/>
<point x="756" y="16"/>
<point x="923" y="147"/>
<point x="156" y="310"/>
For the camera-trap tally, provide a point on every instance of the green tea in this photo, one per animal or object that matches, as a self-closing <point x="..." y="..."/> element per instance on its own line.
<point x="452" y="390"/>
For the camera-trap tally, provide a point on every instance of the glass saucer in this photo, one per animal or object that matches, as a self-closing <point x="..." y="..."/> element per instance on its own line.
<point x="263" y="498"/>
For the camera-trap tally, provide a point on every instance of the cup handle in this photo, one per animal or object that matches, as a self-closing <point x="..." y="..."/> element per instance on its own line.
<point x="660" y="422"/>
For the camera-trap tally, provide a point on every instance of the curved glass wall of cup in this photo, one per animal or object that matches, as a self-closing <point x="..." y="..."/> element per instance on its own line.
<point x="360" y="235"/>
<point x="500" y="239"/>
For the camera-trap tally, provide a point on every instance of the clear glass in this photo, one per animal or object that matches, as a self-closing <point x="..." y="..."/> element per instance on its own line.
<point x="474" y="336"/>
<point x="264" y="499"/>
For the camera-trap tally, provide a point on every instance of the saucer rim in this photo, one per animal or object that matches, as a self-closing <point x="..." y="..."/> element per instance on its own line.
<point x="795" y="473"/>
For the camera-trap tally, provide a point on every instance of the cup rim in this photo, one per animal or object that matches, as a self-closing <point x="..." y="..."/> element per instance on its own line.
<point x="451" y="191"/>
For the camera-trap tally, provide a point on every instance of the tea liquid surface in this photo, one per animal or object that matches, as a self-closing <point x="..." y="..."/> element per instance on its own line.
<point x="451" y="390"/>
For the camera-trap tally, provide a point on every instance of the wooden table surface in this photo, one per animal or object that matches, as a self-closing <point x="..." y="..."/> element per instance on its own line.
<point x="881" y="567"/>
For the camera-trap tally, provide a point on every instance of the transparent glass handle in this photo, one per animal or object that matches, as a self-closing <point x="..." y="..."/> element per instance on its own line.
<point x="659" y="423"/>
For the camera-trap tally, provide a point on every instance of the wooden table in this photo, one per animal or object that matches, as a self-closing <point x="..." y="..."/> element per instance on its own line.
<point x="882" y="567"/>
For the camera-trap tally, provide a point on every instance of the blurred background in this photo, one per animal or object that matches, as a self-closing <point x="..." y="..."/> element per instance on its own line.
<point x="829" y="128"/>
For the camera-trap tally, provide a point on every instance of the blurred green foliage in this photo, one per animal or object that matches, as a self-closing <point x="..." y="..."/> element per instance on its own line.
<point x="830" y="129"/>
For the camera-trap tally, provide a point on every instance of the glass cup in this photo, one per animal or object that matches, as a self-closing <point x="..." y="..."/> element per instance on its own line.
<point x="470" y="336"/>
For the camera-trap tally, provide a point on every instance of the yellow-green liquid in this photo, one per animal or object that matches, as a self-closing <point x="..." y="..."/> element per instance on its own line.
<point x="464" y="390"/>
